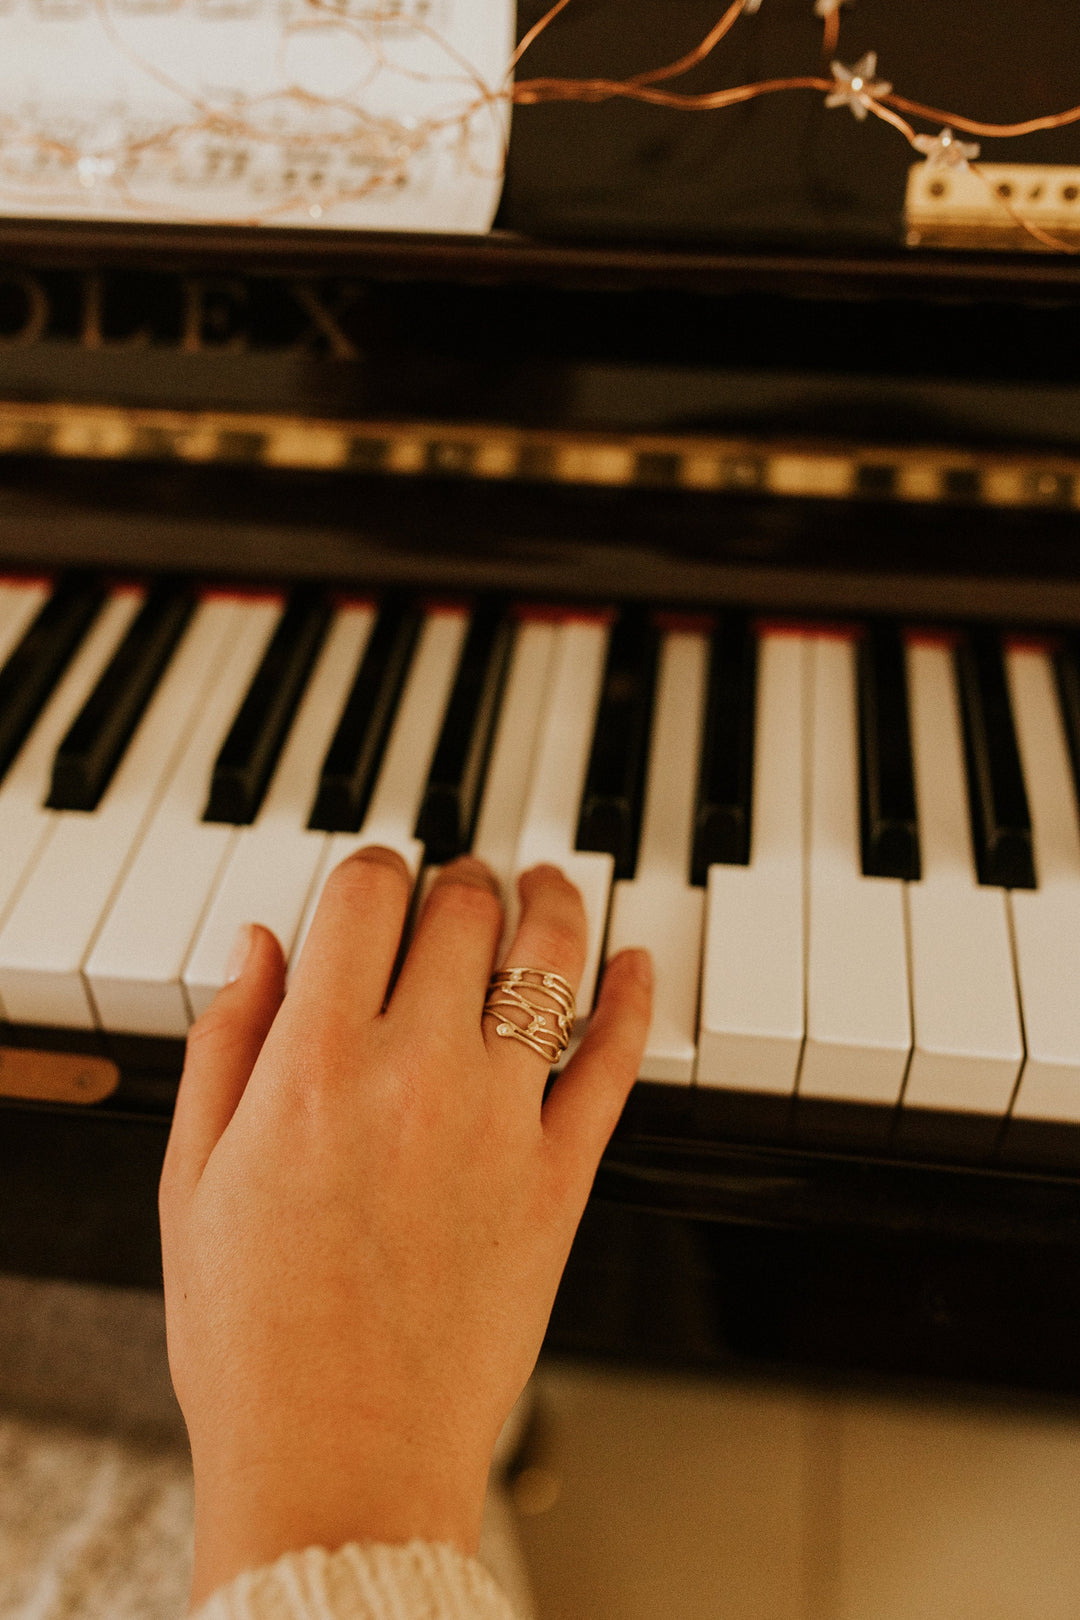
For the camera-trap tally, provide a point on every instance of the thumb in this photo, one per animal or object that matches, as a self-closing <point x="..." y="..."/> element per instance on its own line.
<point x="222" y="1048"/>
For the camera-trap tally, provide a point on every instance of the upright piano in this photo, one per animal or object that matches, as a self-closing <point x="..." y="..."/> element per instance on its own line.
<point x="709" y="527"/>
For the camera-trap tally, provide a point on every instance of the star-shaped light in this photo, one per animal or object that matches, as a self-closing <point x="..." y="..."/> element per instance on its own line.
<point x="944" y="151"/>
<point x="856" y="87"/>
<point x="92" y="169"/>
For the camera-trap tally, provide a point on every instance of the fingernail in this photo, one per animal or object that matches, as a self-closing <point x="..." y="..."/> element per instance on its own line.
<point x="239" y="953"/>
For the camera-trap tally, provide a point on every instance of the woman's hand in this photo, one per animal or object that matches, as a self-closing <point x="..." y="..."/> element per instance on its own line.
<point x="365" y="1211"/>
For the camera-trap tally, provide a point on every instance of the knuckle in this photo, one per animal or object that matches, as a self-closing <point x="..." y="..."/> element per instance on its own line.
<point x="167" y="1202"/>
<point x="364" y="880"/>
<point x="551" y="881"/>
<point x="469" y="869"/>
<point x="567" y="1180"/>
<point x="466" y="903"/>
<point x="554" y="943"/>
<point x="215" y="1036"/>
<point x="167" y="1183"/>
<point x="210" y="1029"/>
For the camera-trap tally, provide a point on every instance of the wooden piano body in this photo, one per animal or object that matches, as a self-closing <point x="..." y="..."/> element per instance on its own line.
<point x="811" y="436"/>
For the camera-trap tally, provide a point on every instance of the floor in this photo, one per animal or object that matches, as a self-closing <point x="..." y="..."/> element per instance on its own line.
<point x="643" y="1498"/>
<point x="699" y="1500"/>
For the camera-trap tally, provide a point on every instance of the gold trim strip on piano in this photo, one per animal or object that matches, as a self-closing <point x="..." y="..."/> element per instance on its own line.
<point x="702" y="462"/>
<point x="57" y="1077"/>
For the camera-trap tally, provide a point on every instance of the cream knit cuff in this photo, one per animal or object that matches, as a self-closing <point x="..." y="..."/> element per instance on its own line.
<point x="419" y="1581"/>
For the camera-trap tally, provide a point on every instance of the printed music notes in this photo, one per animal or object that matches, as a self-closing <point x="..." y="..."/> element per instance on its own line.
<point x="381" y="114"/>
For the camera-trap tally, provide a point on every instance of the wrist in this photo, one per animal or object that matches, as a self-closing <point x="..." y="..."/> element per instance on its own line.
<point x="249" y="1516"/>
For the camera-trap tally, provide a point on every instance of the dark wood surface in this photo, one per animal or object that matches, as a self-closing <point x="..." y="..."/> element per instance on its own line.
<point x="717" y="1257"/>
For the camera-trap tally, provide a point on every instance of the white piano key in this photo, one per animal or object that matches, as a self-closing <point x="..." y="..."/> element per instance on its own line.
<point x="858" y="1003"/>
<point x="24" y="820"/>
<point x="753" y="979"/>
<point x="272" y="864"/>
<point x="968" y="1041"/>
<point x="513" y="749"/>
<point x="20" y="601"/>
<point x="660" y="908"/>
<point x="553" y="805"/>
<point x="49" y="930"/>
<point x="134" y="968"/>
<point x="1046" y="921"/>
<point x="410" y="747"/>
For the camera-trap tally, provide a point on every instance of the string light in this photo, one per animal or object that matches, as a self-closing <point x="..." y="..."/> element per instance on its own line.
<point x="856" y="87"/>
<point x="382" y="152"/>
<point x="944" y="151"/>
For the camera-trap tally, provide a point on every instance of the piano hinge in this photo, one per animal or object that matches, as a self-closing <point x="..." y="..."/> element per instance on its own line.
<point x="993" y="205"/>
<point x="496" y="452"/>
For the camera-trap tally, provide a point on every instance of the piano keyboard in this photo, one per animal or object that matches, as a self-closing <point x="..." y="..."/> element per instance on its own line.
<point x="853" y="851"/>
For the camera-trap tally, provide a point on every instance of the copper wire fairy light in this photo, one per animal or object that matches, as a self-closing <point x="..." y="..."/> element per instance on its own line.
<point x="830" y="11"/>
<point x="393" y="148"/>
<point x="881" y="101"/>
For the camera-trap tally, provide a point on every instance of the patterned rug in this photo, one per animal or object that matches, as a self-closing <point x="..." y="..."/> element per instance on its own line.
<point x="95" y="1479"/>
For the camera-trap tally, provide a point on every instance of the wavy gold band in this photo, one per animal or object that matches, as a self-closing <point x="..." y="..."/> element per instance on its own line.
<point x="533" y="1007"/>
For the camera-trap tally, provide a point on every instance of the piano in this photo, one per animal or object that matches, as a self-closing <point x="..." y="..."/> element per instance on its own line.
<point x="731" y="566"/>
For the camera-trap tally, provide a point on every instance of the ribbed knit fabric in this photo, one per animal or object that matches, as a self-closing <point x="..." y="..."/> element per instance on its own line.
<point x="419" y="1581"/>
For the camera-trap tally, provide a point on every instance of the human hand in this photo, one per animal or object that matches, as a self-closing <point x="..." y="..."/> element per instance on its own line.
<point x="365" y="1213"/>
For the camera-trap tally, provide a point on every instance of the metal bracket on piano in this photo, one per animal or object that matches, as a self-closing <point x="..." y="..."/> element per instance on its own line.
<point x="988" y="205"/>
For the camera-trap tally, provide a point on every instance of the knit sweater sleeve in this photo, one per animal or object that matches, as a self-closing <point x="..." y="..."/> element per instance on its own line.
<point x="419" y="1581"/>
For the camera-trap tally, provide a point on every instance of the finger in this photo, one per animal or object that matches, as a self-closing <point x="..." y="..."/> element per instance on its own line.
<point x="551" y="937"/>
<point x="222" y="1048"/>
<point x="445" y="974"/>
<point x="349" y="954"/>
<point x="584" y="1104"/>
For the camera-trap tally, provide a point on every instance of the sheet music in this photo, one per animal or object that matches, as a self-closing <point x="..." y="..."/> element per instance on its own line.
<point x="379" y="114"/>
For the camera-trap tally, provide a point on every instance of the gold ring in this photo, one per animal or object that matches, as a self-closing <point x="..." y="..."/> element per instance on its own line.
<point x="533" y="1007"/>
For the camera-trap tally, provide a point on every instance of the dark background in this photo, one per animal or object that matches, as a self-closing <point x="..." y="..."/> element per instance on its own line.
<point x="782" y="170"/>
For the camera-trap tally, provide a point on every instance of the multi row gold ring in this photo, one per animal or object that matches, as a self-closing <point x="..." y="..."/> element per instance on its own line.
<point x="533" y="1007"/>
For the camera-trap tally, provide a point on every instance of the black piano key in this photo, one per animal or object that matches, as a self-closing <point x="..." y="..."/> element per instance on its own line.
<point x="611" y="803"/>
<point x="726" y="777"/>
<point x="34" y="667"/>
<point x="352" y="761"/>
<point x="1067" y="670"/>
<point x="451" y="799"/>
<point x="890" y="829"/>
<point x="1000" y="819"/>
<point x="95" y="742"/>
<point x="251" y="750"/>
